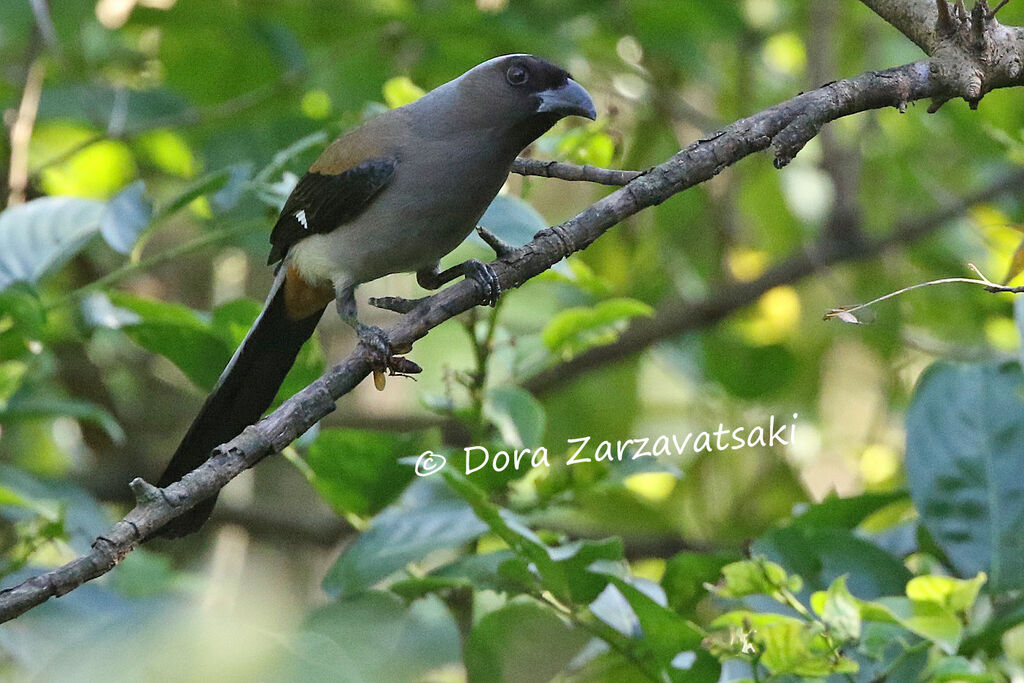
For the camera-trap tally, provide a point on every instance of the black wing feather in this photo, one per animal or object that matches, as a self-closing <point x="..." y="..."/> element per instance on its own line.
<point x="321" y="202"/>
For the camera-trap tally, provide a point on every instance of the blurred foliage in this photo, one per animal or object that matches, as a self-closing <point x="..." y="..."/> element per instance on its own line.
<point x="767" y="498"/>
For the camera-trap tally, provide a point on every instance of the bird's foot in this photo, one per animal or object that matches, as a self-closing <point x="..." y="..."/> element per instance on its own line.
<point x="486" y="279"/>
<point x="382" y="355"/>
<point x="396" y="304"/>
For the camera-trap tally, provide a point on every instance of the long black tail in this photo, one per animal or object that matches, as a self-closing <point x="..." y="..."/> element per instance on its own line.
<point x="244" y="391"/>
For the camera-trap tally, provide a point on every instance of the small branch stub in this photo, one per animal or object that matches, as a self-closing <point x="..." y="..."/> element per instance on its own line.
<point x="144" y="492"/>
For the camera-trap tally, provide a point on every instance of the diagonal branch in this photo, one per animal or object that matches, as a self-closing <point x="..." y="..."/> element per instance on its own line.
<point x="787" y="126"/>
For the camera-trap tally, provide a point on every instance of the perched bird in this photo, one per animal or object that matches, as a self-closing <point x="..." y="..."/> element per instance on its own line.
<point x="393" y="195"/>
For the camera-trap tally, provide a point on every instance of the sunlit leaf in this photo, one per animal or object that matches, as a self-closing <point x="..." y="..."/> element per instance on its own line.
<point x="577" y="329"/>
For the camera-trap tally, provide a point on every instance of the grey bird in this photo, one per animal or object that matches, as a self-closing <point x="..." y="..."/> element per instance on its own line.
<point x="393" y="195"/>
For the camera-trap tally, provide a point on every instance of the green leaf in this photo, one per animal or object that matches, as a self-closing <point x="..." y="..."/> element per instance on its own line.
<point x="685" y="577"/>
<point x="126" y="217"/>
<point x="521" y="642"/>
<point x="178" y="334"/>
<point x="959" y="670"/>
<point x="359" y="472"/>
<point x="518" y="416"/>
<point x="373" y="637"/>
<point x="611" y="607"/>
<point x="658" y="634"/>
<point x="39" y="236"/>
<point x="965" y="427"/>
<point x="575" y="330"/>
<point x="426" y="518"/>
<point x="21" y="408"/>
<point x="756" y="577"/>
<point x="786" y="644"/>
<point x="846" y="513"/>
<point x="561" y="570"/>
<point x="821" y="555"/>
<point x="927" y="619"/>
<point x="839" y="609"/>
<point x="957" y="595"/>
<point x="202" y="347"/>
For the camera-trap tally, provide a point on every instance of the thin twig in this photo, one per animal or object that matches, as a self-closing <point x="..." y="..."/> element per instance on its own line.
<point x="563" y="171"/>
<point x="21" y="131"/>
<point x="845" y="313"/>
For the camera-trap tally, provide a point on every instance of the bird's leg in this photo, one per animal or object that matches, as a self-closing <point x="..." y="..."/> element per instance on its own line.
<point x="382" y="354"/>
<point x="433" y="278"/>
<point x="480" y="273"/>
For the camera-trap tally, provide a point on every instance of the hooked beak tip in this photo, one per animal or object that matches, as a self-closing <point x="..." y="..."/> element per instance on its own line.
<point x="571" y="99"/>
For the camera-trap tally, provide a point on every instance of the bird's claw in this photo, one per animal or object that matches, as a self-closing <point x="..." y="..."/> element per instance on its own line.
<point x="486" y="279"/>
<point x="382" y="354"/>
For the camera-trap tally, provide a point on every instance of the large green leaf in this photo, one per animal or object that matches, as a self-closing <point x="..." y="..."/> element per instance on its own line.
<point x="965" y="456"/>
<point x="517" y="415"/>
<point x="521" y="642"/>
<point x="372" y="637"/>
<point x="178" y="334"/>
<point x="359" y="472"/>
<point x="201" y="346"/>
<point x="822" y="555"/>
<point x="37" y="237"/>
<point x="426" y="518"/>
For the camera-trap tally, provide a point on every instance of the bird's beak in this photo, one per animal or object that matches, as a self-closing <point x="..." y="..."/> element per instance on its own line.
<point x="570" y="99"/>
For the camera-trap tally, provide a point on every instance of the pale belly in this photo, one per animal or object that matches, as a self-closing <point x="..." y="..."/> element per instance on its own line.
<point x="432" y="204"/>
<point x="363" y="250"/>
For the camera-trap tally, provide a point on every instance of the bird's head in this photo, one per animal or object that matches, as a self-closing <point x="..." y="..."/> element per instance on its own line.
<point x="520" y="96"/>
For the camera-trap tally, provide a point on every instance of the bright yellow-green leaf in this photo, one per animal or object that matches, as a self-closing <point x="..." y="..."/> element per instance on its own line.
<point x="839" y="610"/>
<point x="169" y="152"/>
<point x="954" y="594"/>
<point x="577" y="329"/>
<point x="927" y="619"/>
<point x="97" y="171"/>
<point x="400" y="91"/>
<point x="756" y="577"/>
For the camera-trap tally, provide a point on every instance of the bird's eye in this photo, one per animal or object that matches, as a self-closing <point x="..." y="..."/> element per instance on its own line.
<point x="517" y="75"/>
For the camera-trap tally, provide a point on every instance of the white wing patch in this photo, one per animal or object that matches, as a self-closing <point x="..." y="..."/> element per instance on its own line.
<point x="300" y="216"/>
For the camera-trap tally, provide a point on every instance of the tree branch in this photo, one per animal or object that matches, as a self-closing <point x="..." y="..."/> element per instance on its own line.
<point x="786" y="126"/>
<point x="557" y="169"/>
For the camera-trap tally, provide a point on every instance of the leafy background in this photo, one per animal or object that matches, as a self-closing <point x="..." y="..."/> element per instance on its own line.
<point x="884" y="541"/>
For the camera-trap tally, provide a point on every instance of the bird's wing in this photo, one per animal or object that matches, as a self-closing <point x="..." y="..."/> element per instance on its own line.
<point x="321" y="202"/>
